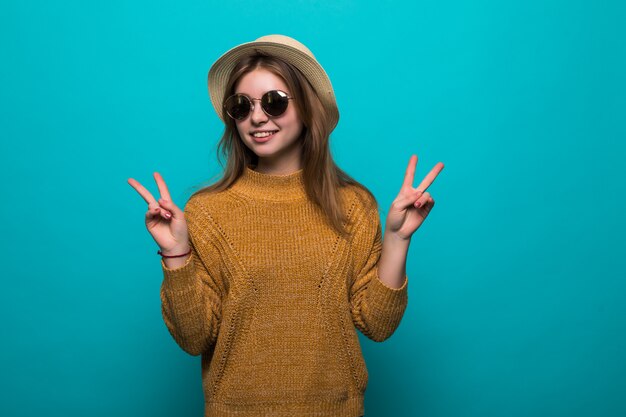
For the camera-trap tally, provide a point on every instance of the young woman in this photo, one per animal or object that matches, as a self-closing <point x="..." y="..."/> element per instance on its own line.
<point x="269" y="272"/>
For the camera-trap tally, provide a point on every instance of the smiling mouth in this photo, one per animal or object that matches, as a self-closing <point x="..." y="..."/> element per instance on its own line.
<point x="265" y="137"/>
<point x="264" y="134"/>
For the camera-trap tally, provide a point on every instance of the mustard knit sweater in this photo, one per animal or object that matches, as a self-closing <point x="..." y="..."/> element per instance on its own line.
<point x="271" y="297"/>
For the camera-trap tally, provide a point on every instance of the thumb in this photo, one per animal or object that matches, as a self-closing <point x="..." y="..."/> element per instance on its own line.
<point x="171" y="207"/>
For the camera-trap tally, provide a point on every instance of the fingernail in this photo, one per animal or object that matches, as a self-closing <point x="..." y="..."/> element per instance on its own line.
<point x="168" y="215"/>
<point x="418" y="204"/>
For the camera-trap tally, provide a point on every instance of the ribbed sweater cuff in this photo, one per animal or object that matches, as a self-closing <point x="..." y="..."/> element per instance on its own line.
<point x="389" y="302"/>
<point x="179" y="279"/>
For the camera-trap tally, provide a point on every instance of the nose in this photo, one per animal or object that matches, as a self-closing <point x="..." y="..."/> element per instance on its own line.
<point x="258" y="115"/>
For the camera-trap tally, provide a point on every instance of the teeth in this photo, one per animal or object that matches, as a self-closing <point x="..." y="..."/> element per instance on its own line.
<point x="263" y="134"/>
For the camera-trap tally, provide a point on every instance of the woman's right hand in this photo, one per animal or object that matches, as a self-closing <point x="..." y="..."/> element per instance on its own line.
<point x="164" y="220"/>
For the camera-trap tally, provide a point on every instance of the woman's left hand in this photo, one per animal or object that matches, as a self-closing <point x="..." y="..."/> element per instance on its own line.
<point x="412" y="205"/>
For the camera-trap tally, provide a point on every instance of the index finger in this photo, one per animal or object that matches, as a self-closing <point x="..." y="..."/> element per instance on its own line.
<point x="410" y="172"/>
<point x="430" y="177"/>
<point x="142" y="191"/>
<point x="165" y="193"/>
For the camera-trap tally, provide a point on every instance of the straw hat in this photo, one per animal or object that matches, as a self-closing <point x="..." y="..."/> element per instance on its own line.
<point x="284" y="47"/>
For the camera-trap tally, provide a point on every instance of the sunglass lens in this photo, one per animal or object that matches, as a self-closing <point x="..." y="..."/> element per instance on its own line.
<point x="237" y="106"/>
<point x="275" y="102"/>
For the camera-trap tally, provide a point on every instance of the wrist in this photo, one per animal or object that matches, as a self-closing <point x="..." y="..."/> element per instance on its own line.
<point x="177" y="252"/>
<point x="396" y="237"/>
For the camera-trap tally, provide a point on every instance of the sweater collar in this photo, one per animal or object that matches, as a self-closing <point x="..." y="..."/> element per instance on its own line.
<point x="271" y="187"/>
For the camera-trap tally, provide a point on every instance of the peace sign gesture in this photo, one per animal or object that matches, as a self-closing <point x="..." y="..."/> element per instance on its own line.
<point x="412" y="205"/>
<point x="164" y="220"/>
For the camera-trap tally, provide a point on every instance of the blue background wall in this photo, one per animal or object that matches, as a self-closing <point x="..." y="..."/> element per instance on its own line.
<point x="517" y="279"/>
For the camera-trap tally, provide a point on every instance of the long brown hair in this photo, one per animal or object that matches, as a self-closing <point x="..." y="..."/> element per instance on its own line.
<point x="322" y="177"/>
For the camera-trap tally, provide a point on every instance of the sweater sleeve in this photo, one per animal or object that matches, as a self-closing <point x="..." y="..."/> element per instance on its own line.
<point x="191" y="296"/>
<point x="376" y="308"/>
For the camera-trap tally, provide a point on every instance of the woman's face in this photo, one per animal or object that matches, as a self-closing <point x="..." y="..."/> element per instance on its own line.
<point x="279" y="153"/>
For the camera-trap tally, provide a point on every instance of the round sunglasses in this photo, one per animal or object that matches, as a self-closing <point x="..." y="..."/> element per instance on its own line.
<point x="274" y="103"/>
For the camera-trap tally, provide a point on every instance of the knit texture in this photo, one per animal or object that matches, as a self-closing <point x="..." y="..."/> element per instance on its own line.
<point x="271" y="297"/>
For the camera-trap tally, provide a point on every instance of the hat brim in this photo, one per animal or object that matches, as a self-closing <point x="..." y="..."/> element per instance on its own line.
<point x="220" y="72"/>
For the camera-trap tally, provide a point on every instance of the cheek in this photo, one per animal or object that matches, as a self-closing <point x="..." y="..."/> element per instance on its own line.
<point x="295" y="122"/>
<point x="241" y="128"/>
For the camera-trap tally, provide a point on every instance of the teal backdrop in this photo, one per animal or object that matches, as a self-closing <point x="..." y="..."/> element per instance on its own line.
<point x="517" y="291"/>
